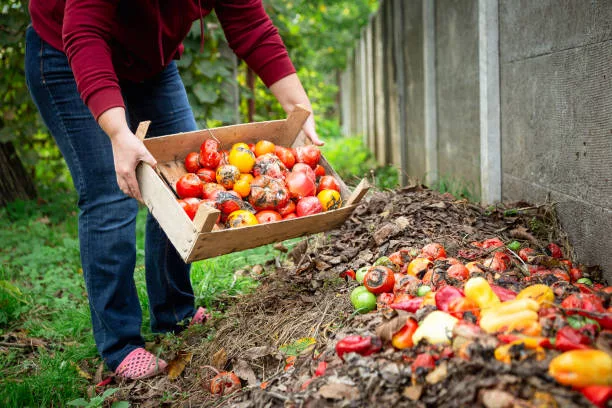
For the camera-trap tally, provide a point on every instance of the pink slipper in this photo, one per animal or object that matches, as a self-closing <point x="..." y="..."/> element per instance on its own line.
<point x="140" y="364"/>
<point x="200" y="316"/>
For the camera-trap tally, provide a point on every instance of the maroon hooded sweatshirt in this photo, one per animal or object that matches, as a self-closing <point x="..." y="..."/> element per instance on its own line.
<point x="108" y="40"/>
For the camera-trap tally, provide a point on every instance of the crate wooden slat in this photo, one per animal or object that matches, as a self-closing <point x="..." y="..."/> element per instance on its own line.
<point x="195" y="240"/>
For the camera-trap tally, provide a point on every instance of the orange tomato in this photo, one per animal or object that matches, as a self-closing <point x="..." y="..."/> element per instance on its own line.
<point x="267" y="216"/>
<point x="263" y="146"/>
<point x="242" y="187"/>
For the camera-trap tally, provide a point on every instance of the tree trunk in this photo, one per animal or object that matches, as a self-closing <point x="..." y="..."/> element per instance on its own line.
<point x="250" y="80"/>
<point x="15" y="183"/>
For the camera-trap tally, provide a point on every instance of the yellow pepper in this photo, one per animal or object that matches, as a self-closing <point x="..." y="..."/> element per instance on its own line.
<point x="517" y="349"/>
<point x="479" y="290"/>
<point x="581" y="368"/>
<point x="436" y="328"/>
<point x="540" y="293"/>
<point x="511" y="315"/>
<point x="429" y="299"/>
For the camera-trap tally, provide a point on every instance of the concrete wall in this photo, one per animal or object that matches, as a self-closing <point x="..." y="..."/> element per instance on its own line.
<point x="458" y="90"/>
<point x="478" y="82"/>
<point x="556" y="114"/>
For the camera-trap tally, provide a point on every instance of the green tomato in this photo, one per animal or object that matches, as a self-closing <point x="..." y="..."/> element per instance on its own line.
<point x="363" y="301"/>
<point x="361" y="273"/>
<point x="514" y="246"/>
<point x="585" y="281"/>
<point x="423" y="290"/>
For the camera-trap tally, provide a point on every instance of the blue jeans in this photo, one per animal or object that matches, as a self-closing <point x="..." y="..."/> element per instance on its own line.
<point x="107" y="217"/>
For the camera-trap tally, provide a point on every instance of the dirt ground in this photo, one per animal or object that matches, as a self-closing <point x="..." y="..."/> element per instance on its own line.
<point x="275" y="338"/>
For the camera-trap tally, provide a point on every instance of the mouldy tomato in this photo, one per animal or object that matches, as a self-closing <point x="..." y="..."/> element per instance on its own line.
<point x="241" y="218"/>
<point x="189" y="185"/>
<point x="225" y="383"/>
<point x="209" y="190"/>
<point x="286" y="209"/>
<point x="419" y="266"/>
<point x="379" y="279"/>
<point x="433" y="251"/>
<point x="207" y="175"/>
<point x="268" y="193"/>
<point x="269" y="165"/>
<point x="227" y="175"/>
<point x="458" y="271"/>
<point x="330" y="199"/>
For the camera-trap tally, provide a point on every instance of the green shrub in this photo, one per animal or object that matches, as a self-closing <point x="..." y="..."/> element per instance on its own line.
<point x="352" y="160"/>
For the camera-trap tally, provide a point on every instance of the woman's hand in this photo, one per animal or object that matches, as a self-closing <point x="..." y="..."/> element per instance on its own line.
<point x="289" y="92"/>
<point x="128" y="150"/>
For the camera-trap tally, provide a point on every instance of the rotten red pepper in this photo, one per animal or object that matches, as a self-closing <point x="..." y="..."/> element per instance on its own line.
<point x="446" y="295"/>
<point x="502" y="293"/>
<point x="599" y="395"/>
<point x="408" y="305"/>
<point x="357" y="344"/>
<point x="571" y="339"/>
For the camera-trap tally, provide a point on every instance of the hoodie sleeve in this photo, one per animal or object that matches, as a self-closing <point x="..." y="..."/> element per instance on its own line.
<point x="86" y="36"/>
<point x="253" y="37"/>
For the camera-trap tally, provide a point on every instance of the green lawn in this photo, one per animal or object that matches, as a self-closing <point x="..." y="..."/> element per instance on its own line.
<point x="42" y="297"/>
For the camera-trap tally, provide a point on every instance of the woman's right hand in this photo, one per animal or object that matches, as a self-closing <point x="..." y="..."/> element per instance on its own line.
<point x="128" y="150"/>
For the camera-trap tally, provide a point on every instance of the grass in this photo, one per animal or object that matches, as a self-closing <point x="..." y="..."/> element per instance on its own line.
<point x="42" y="296"/>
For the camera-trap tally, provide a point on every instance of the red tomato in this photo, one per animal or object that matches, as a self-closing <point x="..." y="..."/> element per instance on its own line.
<point x="209" y="154"/>
<point x="207" y="175"/>
<point x="266" y="216"/>
<point x="433" y="251"/>
<point x="554" y="250"/>
<point x="328" y="183"/>
<point x="189" y="185"/>
<point x="319" y="171"/>
<point x="192" y="162"/>
<point x="209" y="189"/>
<point x="458" y="271"/>
<point x="304" y="168"/>
<point x="308" y="154"/>
<point x="525" y="253"/>
<point x="285" y="155"/>
<point x="300" y="185"/>
<point x="379" y="279"/>
<point x="287" y="209"/>
<point x="190" y="206"/>
<point x="290" y="216"/>
<point x="308" y="206"/>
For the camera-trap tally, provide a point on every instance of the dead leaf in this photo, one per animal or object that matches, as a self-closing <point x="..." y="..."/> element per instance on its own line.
<point x="338" y="391"/>
<point x="413" y="392"/>
<point x="497" y="399"/>
<point x="258" y="352"/>
<point x="219" y="359"/>
<point x="80" y="371"/>
<point x="387" y="329"/>
<point x="243" y="370"/>
<point x="177" y="366"/>
<point x="438" y="374"/>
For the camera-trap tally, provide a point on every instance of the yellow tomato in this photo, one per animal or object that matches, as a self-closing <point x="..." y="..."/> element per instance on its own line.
<point x="240" y="144"/>
<point x="241" y="218"/>
<point x="242" y="158"/>
<point x="330" y="199"/>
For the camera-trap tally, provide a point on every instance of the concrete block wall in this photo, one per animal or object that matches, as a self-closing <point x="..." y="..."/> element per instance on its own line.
<point x="510" y="97"/>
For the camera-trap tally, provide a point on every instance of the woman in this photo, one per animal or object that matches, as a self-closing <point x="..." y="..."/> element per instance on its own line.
<point x="95" y="69"/>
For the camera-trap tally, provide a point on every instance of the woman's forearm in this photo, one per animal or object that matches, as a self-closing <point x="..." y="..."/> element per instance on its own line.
<point x="289" y="92"/>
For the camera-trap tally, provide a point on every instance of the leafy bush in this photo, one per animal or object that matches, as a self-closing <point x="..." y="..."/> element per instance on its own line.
<point x="352" y="160"/>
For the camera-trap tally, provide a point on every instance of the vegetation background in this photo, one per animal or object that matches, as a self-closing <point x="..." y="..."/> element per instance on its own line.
<point x="47" y="354"/>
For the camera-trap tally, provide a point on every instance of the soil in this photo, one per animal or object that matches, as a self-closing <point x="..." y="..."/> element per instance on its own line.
<point x="306" y="298"/>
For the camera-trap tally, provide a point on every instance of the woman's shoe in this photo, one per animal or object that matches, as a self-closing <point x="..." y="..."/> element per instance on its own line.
<point x="140" y="364"/>
<point x="200" y="317"/>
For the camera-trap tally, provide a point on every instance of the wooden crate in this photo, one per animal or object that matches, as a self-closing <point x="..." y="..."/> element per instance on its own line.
<point x="195" y="240"/>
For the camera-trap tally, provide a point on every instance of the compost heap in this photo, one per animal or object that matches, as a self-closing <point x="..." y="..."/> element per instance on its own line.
<point x="475" y="307"/>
